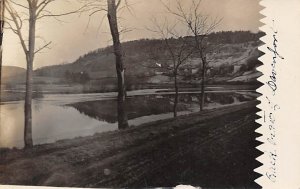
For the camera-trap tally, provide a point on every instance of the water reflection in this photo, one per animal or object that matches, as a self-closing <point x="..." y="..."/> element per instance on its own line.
<point x="50" y="123"/>
<point x="54" y="121"/>
<point x="138" y="106"/>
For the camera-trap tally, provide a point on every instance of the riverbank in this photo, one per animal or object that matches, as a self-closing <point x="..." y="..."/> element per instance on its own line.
<point x="8" y="97"/>
<point x="17" y="96"/>
<point x="18" y="93"/>
<point x="209" y="149"/>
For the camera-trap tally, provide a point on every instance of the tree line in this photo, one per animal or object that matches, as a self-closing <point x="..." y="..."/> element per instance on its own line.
<point x="144" y="45"/>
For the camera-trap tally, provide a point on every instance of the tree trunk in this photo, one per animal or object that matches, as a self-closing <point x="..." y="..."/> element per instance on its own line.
<point x="28" y="142"/>
<point x="1" y="42"/>
<point x="2" y="8"/>
<point x="113" y="23"/>
<point x="176" y="96"/>
<point x="202" y="86"/>
<point x="199" y="46"/>
<point x="27" y="107"/>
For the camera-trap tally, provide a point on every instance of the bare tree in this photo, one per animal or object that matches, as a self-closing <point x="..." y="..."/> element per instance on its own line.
<point x="2" y="4"/>
<point x="200" y="26"/>
<point x="112" y="7"/>
<point x="178" y="53"/>
<point x="29" y="12"/>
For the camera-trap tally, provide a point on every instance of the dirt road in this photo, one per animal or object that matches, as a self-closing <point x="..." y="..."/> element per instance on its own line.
<point x="215" y="148"/>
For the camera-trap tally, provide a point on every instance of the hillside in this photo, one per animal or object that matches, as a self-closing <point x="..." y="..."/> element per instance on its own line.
<point x="12" y="71"/>
<point x="12" y="74"/>
<point x="233" y="54"/>
<point x="232" y="57"/>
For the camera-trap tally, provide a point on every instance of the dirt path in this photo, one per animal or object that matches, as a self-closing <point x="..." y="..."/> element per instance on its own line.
<point x="211" y="149"/>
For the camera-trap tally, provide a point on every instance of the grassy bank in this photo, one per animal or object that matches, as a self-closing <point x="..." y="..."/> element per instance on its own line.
<point x="209" y="149"/>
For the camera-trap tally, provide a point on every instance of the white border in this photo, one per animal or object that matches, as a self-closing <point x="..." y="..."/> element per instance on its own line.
<point x="282" y="152"/>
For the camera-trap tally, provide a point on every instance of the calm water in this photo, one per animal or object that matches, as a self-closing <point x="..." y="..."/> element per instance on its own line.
<point x="55" y="117"/>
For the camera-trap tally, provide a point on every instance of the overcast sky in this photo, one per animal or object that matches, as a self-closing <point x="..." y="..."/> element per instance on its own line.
<point x="74" y="37"/>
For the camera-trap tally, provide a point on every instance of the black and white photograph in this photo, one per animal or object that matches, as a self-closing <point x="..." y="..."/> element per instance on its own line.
<point x="130" y="93"/>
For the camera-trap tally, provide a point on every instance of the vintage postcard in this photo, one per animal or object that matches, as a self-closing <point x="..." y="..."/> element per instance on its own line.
<point x="149" y="94"/>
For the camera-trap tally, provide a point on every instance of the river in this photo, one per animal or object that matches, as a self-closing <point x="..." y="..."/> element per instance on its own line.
<point x="66" y="116"/>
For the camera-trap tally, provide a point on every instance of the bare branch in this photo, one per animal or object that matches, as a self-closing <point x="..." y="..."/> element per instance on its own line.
<point x="118" y="3"/>
<point x="43" y="47"/>
<point x="18" y="25"/>
<point x="40" y="13"/>
<point x="19" y="5"/>
<point x="178" y="49"/>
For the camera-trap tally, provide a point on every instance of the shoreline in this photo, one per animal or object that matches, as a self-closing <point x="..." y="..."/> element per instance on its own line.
<point x="99" y="160"/>
<point x="17" y="95"/>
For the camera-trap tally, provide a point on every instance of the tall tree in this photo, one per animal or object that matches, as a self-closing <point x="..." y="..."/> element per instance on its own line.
<point x="2" y="4"/>
<point x="34" y="11"/>
<point x="111" y="7"/>
<point x="200" y="25"/>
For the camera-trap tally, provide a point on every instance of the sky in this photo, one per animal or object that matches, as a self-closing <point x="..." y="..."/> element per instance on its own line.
<point x="74" y="35"/>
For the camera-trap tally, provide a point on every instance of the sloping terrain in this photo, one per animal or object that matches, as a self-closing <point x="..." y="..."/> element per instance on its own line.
<point x="230" y="55"/>
<point x="10" y="73"/>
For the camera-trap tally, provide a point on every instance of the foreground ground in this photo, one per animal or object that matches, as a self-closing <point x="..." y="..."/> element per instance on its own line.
<point x="213" y="149"/>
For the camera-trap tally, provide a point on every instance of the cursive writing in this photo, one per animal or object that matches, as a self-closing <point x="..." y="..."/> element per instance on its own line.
<point x="270" y="121"/>
<point x="271" y="109"/>
<point x="272" y="83"/>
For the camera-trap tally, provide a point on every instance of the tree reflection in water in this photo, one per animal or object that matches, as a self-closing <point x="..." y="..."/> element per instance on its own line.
<point x="138" y="106"/>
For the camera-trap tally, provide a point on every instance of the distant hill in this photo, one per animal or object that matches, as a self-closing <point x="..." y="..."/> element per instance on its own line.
<point x="234" y="54"/>
<point x="12" y="73"/>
